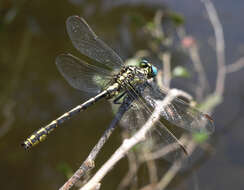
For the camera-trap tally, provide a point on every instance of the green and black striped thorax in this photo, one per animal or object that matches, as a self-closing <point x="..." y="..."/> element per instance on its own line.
<point x="134" y="75"/>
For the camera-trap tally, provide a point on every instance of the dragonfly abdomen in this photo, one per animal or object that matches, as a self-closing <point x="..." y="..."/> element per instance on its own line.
<point x="41" y="134"/>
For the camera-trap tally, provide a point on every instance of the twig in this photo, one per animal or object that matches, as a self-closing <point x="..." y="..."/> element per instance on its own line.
<point x="165" y="76"/>
<point x="7" y="101"/>
<point x="220" y="46"/>
<point x="146" y="157"/>
<point x="162" y="152"/>
<point x="133" y="168"/>
<point x="158" y="32"/>
<point x="89" y="163"/>
<point x="152" y="169"/>
<point x="127" y="144"/>
<point x="236" y="66"/>
<point x="190" y="44"/>
<point x="203" y="82"/>
<point x="166" y="179"/>
<point x="9" y="117"/>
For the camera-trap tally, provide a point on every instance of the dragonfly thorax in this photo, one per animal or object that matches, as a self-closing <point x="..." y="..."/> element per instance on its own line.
<point x="134" y="75"/>
<point x="131" y="76"/>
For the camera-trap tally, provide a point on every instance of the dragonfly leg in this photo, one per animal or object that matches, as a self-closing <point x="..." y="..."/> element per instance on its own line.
<point x="117" y="99"/>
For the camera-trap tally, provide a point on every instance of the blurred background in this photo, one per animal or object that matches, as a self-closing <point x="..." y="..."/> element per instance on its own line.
<point x="33" y="93"/>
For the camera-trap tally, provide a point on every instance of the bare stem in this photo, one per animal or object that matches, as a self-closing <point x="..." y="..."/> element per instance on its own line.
<point x="166" y="60"/>
<point x="220" y="46"/>
<point x="236" y="66"/>
<point x="192" y="48"/>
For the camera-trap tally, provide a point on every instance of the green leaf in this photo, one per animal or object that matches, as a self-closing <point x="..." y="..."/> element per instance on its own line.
<point x="176" y="18"/>
<point x="200" y="137"/>
<point x="180" y="71"/>
<point x="137" y="19"/>
<point x="150" y="26"/>
<point x="65" y="169"/>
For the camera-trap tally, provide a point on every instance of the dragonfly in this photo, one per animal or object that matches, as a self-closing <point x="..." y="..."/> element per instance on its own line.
<point x="103" y="73"/>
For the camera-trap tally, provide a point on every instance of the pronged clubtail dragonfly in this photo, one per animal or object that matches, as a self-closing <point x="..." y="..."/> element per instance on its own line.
<point x="103" y="72"/>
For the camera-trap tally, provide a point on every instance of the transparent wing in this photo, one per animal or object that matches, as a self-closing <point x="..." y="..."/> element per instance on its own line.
<point x="86" y="41"/>
<point x="160" y="136"/>
<point x="134" y="118"/>
<point x="81" y="75"/>
<point x="179" y="113"/>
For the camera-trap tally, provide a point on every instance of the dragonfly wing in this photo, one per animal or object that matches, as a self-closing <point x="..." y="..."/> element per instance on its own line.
<point x="81" y="75"/>
<point x="87" y="42"/>
<point x="179" y="113"/>
<point x="134" y="118"/>
<point x="158" y="137"/>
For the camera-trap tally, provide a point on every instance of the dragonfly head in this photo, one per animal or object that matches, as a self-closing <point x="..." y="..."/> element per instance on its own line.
<point x="152" y="71"/>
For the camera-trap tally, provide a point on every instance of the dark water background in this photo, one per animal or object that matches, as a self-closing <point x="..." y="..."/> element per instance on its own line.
<point x="32" y="92"/>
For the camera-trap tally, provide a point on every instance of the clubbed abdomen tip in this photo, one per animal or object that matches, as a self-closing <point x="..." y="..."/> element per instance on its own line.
<point x="26" y="144"/>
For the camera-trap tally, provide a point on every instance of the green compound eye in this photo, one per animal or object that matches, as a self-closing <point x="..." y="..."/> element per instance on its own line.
<point x="144" y="63"/>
